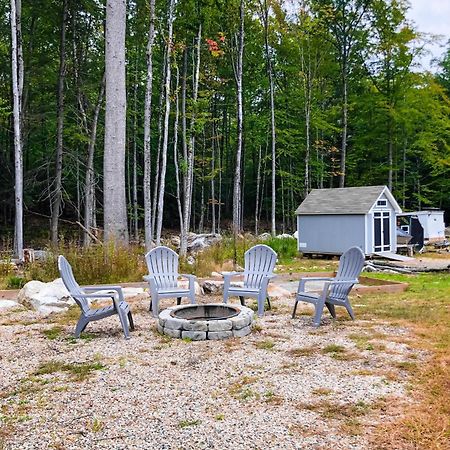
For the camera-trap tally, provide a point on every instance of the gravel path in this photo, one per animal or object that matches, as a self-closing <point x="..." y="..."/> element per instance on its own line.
<point x="285" y="386"/>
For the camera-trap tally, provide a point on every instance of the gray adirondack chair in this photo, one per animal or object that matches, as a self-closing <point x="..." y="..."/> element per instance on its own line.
<point x="88" y="314"/>
<point x="162" y="264"/>
<point x="258" y="270"/>
<point x="335" y="290"/>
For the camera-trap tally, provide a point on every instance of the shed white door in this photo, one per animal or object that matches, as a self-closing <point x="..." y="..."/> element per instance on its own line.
<point x="382" y="231"/>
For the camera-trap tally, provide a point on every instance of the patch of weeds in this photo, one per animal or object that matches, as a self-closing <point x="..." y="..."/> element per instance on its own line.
<point x="79" y="371"/>
<point x="189" y="423"/>
<point x="52" y="333"/>
<point x="339" y="411"/>
<point x="257" y="327"/>
<point x="272" y="398"/>
<point x="220" y="417"/>
<point x="351" y="426"/>
<point x="15" y="282"/>
<point x="333" y="348"/>
<point x="122" y="361"/>
<point x="186" y="340"/>
<point x="302" y="351"/>
<point x="97" y="425"/>
<point x="69" y="317"/>
<point x="240" y="389"/>
<point x="322" y="391"/>
<point x="265" y="345"/>
<point x="83" y="337"/>
<point x="409" y="366"/>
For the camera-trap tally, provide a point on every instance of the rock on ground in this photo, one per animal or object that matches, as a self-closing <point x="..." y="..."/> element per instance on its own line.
<point x="46" y="298"/>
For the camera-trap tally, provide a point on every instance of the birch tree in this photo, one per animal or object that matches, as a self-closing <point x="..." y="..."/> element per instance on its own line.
<point x="264" y="7"/>
<point x="189" y="148"/>
<point x="238" y="75"/>
<point x="147" y="124"/>
<point x="56" y="196"/>
<point x="165" y="142"/>
<point x="114" y="198"/>
<point x="17" y="89"/>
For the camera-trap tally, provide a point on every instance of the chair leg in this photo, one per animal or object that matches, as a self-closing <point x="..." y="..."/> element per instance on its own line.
<point x="123" y="322"/>
<point x="268" y="303"/>
<point x="178" y="301"/>
<point x="261" y="301"/>
<point x="155" y="306"/>
<point x="130" y="320"/>
<point x="332" y="309"/>
<point x="150" y="307"/>
<point x="318" y="312"/>
<point x="295" y="309"/>
<point x="350" y="310"/>
<point x="81" y="325"/>
<point x="242" y="300"/>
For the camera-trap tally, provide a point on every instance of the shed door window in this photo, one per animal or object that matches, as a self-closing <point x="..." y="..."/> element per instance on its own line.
<point x="382" y="231"/>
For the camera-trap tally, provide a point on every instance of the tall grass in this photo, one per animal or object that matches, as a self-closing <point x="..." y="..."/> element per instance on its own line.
<point x="93" y="265"/>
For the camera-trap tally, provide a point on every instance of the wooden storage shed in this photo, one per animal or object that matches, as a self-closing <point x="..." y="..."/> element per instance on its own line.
<point x="330" y="221"/>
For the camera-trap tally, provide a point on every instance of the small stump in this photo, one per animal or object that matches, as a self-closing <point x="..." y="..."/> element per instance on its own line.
<point x="212" y="321"/>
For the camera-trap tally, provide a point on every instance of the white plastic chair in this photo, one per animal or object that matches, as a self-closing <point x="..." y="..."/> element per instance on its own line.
<point x="88" y="314"/>
<point x="258" y="270"/>
<point x="335" y="290"/>
<point x="162" y="264"/>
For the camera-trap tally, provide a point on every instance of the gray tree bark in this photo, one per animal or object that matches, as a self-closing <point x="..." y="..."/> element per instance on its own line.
<point x="238" y="72"/>
<point x="162" y="177"/>
<point x="147" y="124"/>
<point x="114" y="200"/>
<point x="57" y="191"/>
<point x="17" y="89"/>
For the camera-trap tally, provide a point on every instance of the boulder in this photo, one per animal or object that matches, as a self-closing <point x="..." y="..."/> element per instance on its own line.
<point x="185" y="285"/>
<point x="295" y="235"/>
<point x="7" y="304"/>
<point x="46" y="298"/>
<point x="199" y="242"/>
<point x="213" y="286"/>
<point x="264" y="236"/>
<point x="175" y="241"/>
<point x="275" y="291"/>
<point x="285" y="236"/>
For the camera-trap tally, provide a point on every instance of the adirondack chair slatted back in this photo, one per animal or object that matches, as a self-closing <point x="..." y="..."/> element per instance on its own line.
<point x="162" y="263"/>
<point x="350" y="266"/>
<point x="259" y="262"/>
<point x="72" y="286"/>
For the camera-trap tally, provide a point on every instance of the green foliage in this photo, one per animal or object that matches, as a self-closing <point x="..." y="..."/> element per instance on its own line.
<point x="286" y="248"/>
<point x="15" y="282"/>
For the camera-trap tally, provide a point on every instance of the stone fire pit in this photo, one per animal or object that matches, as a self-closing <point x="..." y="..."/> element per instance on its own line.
<point x="211" y="321"/>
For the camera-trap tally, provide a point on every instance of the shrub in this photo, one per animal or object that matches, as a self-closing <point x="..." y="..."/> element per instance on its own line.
<point x="286" y="248"/>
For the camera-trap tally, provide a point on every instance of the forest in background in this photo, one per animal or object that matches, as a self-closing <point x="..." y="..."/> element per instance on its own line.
<point x="235" y="110"/>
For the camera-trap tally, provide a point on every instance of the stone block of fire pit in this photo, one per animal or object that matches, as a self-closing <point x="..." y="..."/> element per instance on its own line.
<point x="212" y="321"/>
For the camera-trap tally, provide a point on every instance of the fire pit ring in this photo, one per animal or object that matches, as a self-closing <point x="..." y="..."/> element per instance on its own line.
<point x="212" y="321"/>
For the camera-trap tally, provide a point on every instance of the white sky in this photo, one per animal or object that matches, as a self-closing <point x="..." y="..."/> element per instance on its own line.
<point x="433" y="17"/>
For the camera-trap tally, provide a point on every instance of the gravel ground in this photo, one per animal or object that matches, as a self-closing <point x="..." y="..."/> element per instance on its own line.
<point x="285" y="386"/>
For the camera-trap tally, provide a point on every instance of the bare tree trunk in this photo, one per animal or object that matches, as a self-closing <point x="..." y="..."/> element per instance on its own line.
<point x="89" y="202"/>
<point x="18" y="154"/>
<point x="175" y="152"/>
<point x="258" y="184"/>
<point x="147" y="126"/>
<point x="162" y="183"/>
<point x="135" y="190"/>
<point x="57" y="192"/>
<point x="189" y="185"/>
<point x="114" y="203"/>
<point x="238" y="72"/>
<point x="213" y="169"/>
<point x="265" y="17"/>
<point x="158" y="150"/>
<point x="344" y="123"/>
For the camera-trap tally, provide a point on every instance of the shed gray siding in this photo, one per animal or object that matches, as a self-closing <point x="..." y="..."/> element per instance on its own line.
<point x="332" y="234"/>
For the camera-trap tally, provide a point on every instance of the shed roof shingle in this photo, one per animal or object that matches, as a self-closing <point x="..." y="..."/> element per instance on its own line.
<point x="351" y="200"/>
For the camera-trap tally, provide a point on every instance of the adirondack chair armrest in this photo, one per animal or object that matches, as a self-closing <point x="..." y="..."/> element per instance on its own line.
<point x="188" y="276"/>
<point x="98" y="296"/>
<point x="230" y="274"/>
<point x="343" y="281"/>
<point x="101" y="288"/>
<point x="303" y="281"/>
<point x="148" y="278"/>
